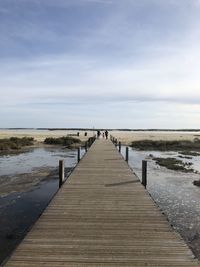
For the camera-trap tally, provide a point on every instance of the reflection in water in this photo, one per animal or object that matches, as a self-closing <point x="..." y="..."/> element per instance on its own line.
<point x="38" y="157"/>
<point x="18" y="213"/>
<point x="174" y="192"/>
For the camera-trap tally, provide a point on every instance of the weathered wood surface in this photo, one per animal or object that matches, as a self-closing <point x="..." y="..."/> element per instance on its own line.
<point x="102" y="216"/>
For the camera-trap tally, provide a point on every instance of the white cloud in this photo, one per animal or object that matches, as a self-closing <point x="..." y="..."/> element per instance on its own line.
<point x="72" y="79"/>
<point x="113" y="70"/>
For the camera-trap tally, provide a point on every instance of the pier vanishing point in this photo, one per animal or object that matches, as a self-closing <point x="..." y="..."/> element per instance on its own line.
<point x="102" y="216"/>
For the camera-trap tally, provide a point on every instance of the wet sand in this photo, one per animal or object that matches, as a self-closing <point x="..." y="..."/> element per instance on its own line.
<point x="24" y="182"/>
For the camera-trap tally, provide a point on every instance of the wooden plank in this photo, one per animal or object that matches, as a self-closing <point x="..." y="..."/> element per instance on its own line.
<point x="102" y="216"/>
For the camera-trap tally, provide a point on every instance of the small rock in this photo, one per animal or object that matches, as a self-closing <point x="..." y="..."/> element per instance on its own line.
<point x="197" y="182"/>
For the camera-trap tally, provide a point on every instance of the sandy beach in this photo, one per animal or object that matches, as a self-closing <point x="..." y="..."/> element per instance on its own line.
<point x="40" y="135"/>
<point x="126" y="137"/>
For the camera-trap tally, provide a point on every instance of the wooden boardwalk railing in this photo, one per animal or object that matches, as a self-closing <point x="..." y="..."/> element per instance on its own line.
<point x="102" y="216"/>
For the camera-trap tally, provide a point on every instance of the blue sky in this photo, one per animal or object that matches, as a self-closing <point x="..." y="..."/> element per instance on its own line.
<point x="101" y="63"/>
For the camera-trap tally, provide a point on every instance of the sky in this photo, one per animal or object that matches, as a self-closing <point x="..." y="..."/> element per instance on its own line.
<point x="100" y="63"/>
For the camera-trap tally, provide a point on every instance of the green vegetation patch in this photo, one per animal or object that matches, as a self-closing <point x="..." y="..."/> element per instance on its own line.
<point x="161" y="145"/>
<point x="64" y="141"/>
<point x="190" y="153"/>
<point x="91" y="140"/>
<point x="197" y="182"/>
<point x="174" y="164"/>
<point x="15" y="143"/>
<point x="184" y="157"/>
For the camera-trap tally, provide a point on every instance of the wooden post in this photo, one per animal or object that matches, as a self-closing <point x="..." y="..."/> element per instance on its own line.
<point x="79" y="154"/>
<point x="116" y="142"/>
<point x="144" y="173"/>
<point x="86" y="146"/>
<point x="127" y="153"/>
<point x="89" y="142"/>
<point x="119" y="146"/>
<point x="61" y="172"/>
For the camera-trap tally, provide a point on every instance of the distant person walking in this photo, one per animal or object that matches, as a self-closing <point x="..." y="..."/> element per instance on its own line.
<point x="98" y="134"/>
<point x="106" y="134"/>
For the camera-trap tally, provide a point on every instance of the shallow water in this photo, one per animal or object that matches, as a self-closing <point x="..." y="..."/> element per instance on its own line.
<point x="174" y="192"/>
<point x="35" y="158"/>
<point x="19" y="211"/>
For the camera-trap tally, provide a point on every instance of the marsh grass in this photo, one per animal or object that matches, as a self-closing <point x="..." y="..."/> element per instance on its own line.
<point x="190" y="153"/>
<point x="64" y="141"/>
<point x="196" y="182"/>
<point x="15" y="143"/>
<point x="174" y="164"/>
<point x="161" y="145"/>
<point x="91" y="140"/>
<point x="184" y="157"/>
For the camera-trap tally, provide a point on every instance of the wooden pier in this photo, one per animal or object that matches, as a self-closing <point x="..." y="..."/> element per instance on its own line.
<point x="102" y="216"/>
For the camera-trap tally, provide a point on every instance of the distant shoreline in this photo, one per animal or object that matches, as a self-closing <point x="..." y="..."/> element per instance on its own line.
<point x="113" y="129"/>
